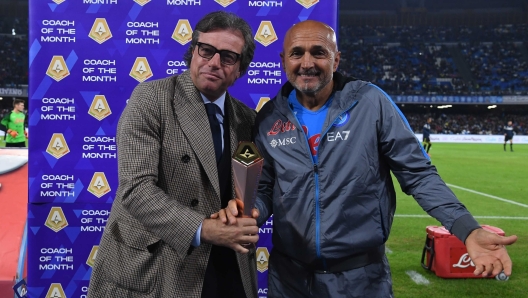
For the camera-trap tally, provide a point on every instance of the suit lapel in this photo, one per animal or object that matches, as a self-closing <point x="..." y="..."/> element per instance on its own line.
<point x="192" y="117"/>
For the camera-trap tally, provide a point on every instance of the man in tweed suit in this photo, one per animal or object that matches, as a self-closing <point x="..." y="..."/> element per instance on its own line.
<point x="159" y="241"/>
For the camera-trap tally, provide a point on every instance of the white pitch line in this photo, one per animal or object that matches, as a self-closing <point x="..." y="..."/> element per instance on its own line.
<point x="388" y="250"/>
<point x="484" y="216"/>
<point x="417" y="277"/>
<point x="487" y="195"/>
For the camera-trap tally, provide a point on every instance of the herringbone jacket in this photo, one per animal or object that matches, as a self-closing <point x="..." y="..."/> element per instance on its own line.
<point x="168" y="184"/>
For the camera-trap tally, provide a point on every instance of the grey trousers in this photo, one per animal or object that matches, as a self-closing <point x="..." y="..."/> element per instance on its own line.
<point x="288" y="279"/>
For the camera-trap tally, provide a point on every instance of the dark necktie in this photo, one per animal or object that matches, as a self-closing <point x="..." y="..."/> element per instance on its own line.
<point x="211" y="109"/>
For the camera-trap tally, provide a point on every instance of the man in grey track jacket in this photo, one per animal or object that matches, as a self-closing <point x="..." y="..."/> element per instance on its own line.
<point x="329" y="144"/>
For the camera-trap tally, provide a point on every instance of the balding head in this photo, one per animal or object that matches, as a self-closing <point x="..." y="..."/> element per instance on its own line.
<point x="310" y="57"/>
<point x="311" y="27"/>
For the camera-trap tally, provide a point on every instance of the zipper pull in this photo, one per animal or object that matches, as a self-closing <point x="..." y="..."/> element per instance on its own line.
<point x="316" y="169"/>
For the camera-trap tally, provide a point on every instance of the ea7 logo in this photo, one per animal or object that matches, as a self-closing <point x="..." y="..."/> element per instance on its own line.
<point x="262" y="259"/>
<point x="141" y="69"/>
<point x="92" y="256"/>
<point x="225" y="3"/>
<point x="57" y="146"/>
<point x="183" y="32"/>
<point x="56" y="220"/>
<point x="265" y="33"/>
<point x="261" y="103"/>
<point x="142" y="2"/>
<point x="100" y="31"/>
<point x="58" y="69"/>
<point x="337" y="136"/>
<point x="55" y="291"/>
<point x="99" y="185"/>
<point x="99" y="109"/>
<point x="283" y="142"/>
<point x="307" y="3"/>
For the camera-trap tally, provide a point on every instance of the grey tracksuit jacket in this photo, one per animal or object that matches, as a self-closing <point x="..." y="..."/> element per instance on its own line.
<point x="345" y="203"/>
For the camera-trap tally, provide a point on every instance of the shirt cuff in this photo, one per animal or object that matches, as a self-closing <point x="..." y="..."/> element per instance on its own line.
<point x="196" y="240"/>
<point x="463" y="226"/>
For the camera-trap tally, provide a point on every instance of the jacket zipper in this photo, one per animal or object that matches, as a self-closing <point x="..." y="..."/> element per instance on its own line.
<point x="316" y="178"/>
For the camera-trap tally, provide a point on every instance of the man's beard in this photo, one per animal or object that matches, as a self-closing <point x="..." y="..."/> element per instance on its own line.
<point x="304" y="87"/>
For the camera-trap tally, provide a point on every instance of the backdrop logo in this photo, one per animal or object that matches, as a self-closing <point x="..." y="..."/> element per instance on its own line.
<point x="262" y="259"/>
<point x="92" y="256"/>
<point x="99" y="109"/>
<point x="58" y="1"/>
<point x="183" y="32"/>
<point x="225" y="3"/>
<point x="56" y="220"/>
<point x="100" y="31"/>
<point x="55" y="291"/>
<point x="57" y="146"/>
<point x="261" y="103"/>
<point x="307" y="3"/>
<point x="58" y="69"/>
<point x="142" y="2"/>
<point x="99" y="185"/>
<point x="141" y="69"/>
<point x="265" y="33"/>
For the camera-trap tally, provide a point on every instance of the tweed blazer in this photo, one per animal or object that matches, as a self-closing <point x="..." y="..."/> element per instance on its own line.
<point x="168" y="184"/>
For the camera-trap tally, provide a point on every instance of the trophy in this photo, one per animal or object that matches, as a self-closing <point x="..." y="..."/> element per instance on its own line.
<point x="247" y="166"/>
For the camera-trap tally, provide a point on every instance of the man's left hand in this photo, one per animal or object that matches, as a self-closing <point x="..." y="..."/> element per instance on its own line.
<point x="488" y="252"/>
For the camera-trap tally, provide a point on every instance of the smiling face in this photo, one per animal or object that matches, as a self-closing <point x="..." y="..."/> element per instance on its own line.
<point x="210" y="76"/>
<point x="310" y="57"/>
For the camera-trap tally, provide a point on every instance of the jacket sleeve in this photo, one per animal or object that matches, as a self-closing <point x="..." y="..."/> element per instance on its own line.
<point x="139" y="142"/>
<point x="417" y="177"/>
<point x="264" y="202"/>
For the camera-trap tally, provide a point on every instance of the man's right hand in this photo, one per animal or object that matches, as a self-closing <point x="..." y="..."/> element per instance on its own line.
<point x="234" y="236"/>
<point x="232" y="211"/>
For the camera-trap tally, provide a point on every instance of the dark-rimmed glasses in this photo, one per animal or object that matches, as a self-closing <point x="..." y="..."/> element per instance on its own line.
<point x="207" y="51"/>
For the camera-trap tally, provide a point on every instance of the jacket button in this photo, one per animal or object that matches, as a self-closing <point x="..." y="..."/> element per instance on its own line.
<point x="185" y="158"/>
<point x="194" y="203"/>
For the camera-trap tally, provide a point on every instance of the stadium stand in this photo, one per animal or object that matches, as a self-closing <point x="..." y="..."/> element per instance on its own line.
<point x="459" y="60"/>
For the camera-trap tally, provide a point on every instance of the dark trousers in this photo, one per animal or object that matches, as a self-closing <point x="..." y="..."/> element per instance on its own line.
<point x="222" y="277"/>
<point x="17" y="145"/>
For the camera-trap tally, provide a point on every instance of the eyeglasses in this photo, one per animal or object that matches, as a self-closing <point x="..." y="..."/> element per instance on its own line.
<point x="207" y="51"/>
